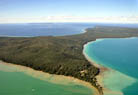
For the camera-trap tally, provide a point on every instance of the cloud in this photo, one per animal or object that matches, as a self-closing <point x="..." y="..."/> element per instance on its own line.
<point x="120" y="19"/>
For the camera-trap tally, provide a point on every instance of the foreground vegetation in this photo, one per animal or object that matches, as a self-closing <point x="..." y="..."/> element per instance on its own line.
<point x="60" y="55"/>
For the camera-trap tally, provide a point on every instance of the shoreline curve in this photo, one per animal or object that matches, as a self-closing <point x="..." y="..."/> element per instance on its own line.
<point x="56" y="79"/>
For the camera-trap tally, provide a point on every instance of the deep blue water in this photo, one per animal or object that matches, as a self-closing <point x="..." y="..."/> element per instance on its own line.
<point x="51" y="29"/>
<point x="120" y="54"/>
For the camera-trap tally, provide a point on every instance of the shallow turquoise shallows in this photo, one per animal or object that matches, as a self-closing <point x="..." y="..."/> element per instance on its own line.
<point x="120" y="55"/>
<point x="20" y="83"/>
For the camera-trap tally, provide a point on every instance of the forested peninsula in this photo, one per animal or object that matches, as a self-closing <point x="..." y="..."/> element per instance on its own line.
<point x="61" y="55"/>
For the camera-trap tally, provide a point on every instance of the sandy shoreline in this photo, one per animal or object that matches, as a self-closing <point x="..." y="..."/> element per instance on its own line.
<point x="99" y="77"/>
<point x="102" y="75"/>
<point x="57" y="79"/>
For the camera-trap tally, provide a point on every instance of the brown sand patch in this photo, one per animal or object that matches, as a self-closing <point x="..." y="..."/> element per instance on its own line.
<point x="57" y="79"/>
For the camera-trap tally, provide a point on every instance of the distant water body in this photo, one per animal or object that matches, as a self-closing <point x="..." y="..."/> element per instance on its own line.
<point x="19" y="83"/>
<point x="51" y="29"/>
<point x="120" y="55"/>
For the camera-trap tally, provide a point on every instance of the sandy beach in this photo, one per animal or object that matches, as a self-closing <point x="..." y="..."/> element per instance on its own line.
<point x="107" y="75"/>
<point x="57" y="79"/>
<point x="100" y="77"/>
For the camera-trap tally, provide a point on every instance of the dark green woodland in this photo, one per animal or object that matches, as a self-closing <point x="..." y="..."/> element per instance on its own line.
<point x="61" y="55"/>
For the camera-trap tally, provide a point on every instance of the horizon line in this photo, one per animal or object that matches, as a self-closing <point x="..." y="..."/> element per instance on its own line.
<point x="69" y="22"/>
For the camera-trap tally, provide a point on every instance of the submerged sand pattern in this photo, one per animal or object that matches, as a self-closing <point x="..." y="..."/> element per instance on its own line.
<point x="56" y="79"/>
<point x="112" y="81"/>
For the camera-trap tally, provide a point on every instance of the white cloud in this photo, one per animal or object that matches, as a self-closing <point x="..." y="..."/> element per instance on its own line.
<point x="122" y="19"/>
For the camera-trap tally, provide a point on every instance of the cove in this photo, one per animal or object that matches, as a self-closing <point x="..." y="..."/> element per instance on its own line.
<point x="120" y="56"/>
<point x="19" y="80"/>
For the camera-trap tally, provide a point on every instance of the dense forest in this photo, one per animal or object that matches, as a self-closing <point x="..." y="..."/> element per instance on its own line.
<point x="61" y="55"/>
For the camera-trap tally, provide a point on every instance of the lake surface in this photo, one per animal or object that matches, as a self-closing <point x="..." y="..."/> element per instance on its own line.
<point x="51" y="29"/>
<point x="16" y="80"/>
<point x="20" y="83"/>
<point x="120" y="55"/>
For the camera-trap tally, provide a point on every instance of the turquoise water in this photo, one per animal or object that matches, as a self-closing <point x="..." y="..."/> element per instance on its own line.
<point x="121" y="55"/>
<point x="16" y="82"/>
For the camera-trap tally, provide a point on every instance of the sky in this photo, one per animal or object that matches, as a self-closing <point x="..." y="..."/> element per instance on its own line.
<point x="24" y="11"/>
